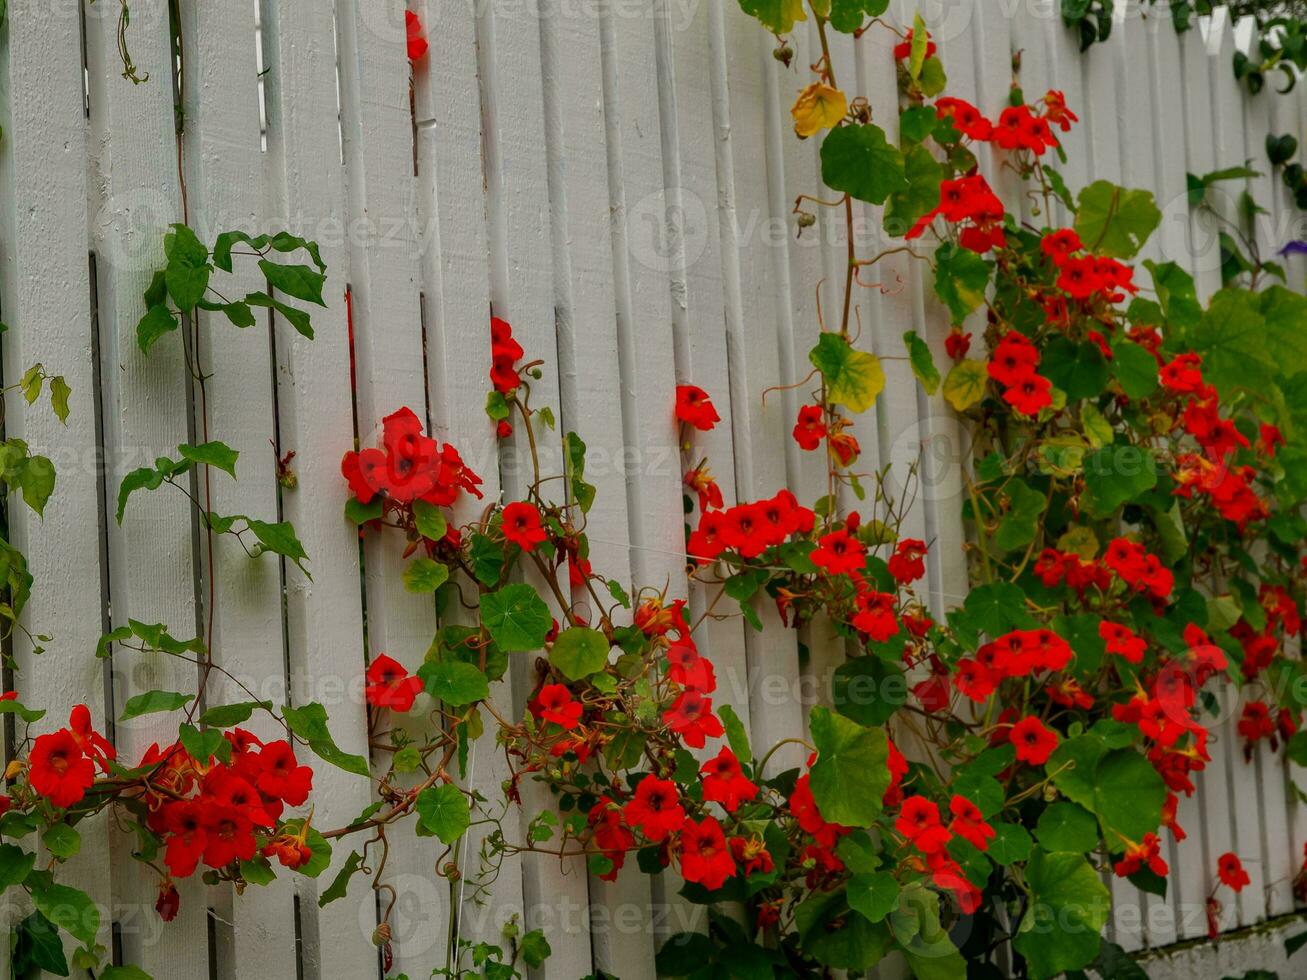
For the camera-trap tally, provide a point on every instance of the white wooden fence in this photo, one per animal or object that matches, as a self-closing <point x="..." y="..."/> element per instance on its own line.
<point x="616" y="178"/>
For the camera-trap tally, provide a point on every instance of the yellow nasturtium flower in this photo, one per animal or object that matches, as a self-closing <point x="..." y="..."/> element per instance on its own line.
<point x="819" y="106"/>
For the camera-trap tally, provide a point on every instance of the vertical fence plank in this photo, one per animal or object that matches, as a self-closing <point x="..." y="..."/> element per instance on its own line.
<point x="889" y="311"/>
<point x="377" y="122"/>
<point x="646" y="341"/>
<point x="940" y="434"/>
<point x="145" y="412"/>
<point x="1069" y="70"/>
<point x="452" y="201"/>
<point x="744" y="54"/>
<point x="820" y="257"/>
<point x="45" y="298"/>
<point x="243" y="594"/>
<point x="572" y="52"/>
<point x="316" y="421"/>
<point x="792" y="169"/>
<point x="522" y="290"/>
<point x="1203" y="250"/>
<point x="1032" y="61"/>
<point x="696" y="260"/>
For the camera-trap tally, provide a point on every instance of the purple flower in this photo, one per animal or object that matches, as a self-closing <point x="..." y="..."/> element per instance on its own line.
<point x="1296" y="247"/>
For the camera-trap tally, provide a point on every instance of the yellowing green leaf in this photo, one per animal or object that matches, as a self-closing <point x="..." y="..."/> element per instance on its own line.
<point x="965" y="384"/>
<point x="818" y="107"/>
<point x="59" y="392"/>
<point x="853" y="377"/>
<point x="1079" y="541"/>
<point x="922" y="361"/>
<point x="920" y="45"/>
<point x="778" y="16"/>
<point x="1097" y="428"/>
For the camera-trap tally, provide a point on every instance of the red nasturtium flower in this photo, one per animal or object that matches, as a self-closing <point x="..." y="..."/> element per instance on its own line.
<point x="655" y="809"/>
<point x="957" y="343"/>
<point x="169" y="902"/>
<point x="1146" y="854"/>
<point x="694" y="407"/>
<point x="908" y="563"/>
<point x="390" y="685"/>
<point x="1123" y="641"/>
<point x="843" y="446"/>
<point x="691" y="717"/>
<point x="505" y="352"/>
<point x="1056" y="111"/>
<point x="919" y="822"/>
<point x="1231" y="872"/>
<point x="610" y="835"/>
<point x="417" y="41"/>
<point x="702" y="482"/>
<point x="969" y="823"/>
<point x="522" y="525"/>
<point x="281" y="776"/>
<point x="184" y="824"/>
<point x="687" y="668"/>
<point x="290" y="850"/>
<point x="875" y="616"/>
<point x="409" y="466"/>
<point x="839" y="553"/>
<point x="554" y="704"/>
<point x="60" y="771"/>
<point x="810" y="429"/>
<point x="705" y="855"/>
<point x="751" y="854"/>
<point x="1060" y="245"/>
<point x="970" y="204"/>
<point x="724" y="781"/>
<point x="1033" y="741"/>
<point x="965" y="117"/>
<point x="1018" y="128"/>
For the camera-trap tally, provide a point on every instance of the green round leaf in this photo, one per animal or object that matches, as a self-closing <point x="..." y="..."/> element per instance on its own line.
<point x="1069" y="904"/>
<point x="443" y="810"/>
<point x="425" y="575"/>
<point x="1116" y="475"/>
<point x="1128" y="796"/>
<point x="454" y="682"/>
<point x="579" y="652"/>
<point x="1067" y="827"/>
<point x="1114" y="221"/>
<point x="516" y="617"/>
<point x="873" y="895"/>
<point x="859" y="161"/>
<point x="868" y="690"/>
<point x="430" y="520"/>
<point x="851" y="773"/>
<point x="1011" y="843"/>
